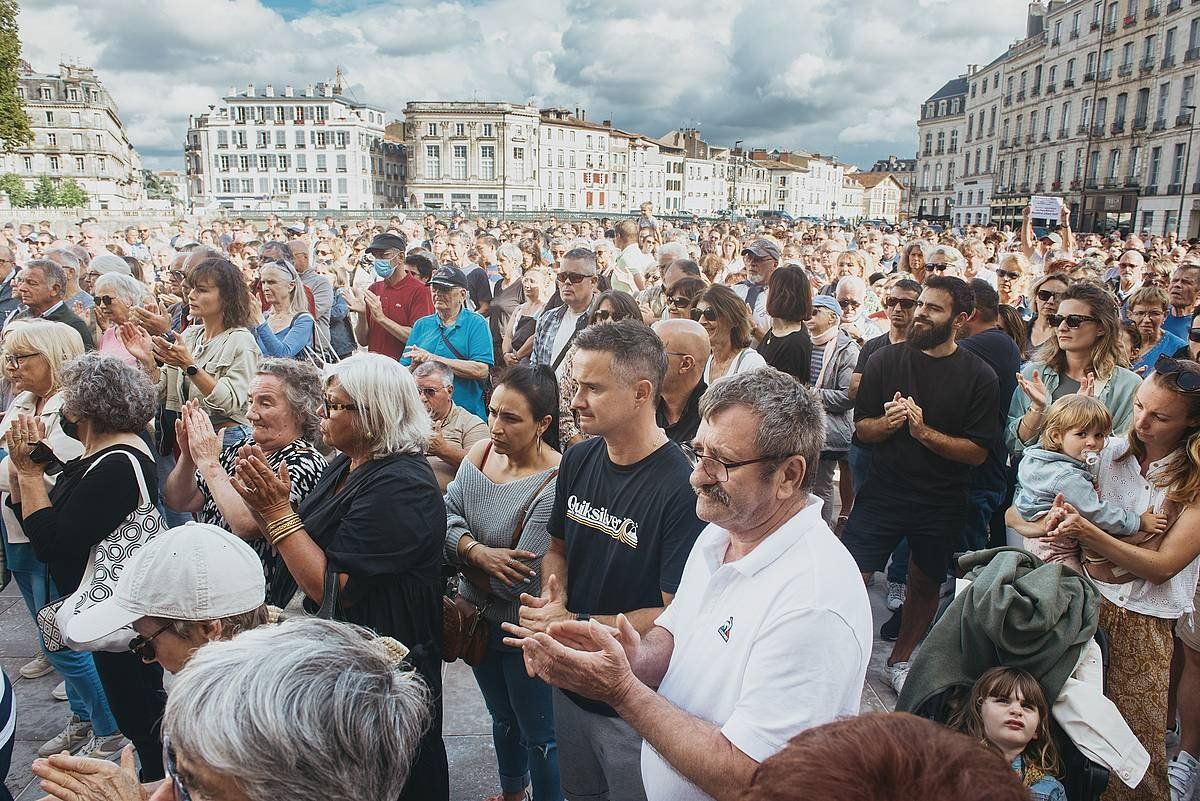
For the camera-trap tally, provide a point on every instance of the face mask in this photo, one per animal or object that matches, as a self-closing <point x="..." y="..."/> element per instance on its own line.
<point x="69" y="427"/>
<point x="383" y="267"/>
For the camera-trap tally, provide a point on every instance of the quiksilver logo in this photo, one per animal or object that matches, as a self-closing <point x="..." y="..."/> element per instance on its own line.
<point x="621" y="529"/>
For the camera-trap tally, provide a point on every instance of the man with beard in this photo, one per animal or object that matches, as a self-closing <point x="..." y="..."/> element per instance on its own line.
<point x="761" y="257"/>
<point x="927" y="407"/>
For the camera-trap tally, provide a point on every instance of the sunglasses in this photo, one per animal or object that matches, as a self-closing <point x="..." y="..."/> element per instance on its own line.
<point x="103" y="300"/>
<point x="904" y="303"/>
<point x="573" y="278"/>
<point x="1185" y="374"/>
<point x="602" y="316"/>
<point x="708" y="314"/>
<point x="332" y="406"/>
<point x="429" y="392"/>
<point x="169" y="762"/>
<point x="1046" y="294"/>
<point x="1009" y="275"/>
<point x="938" y="268"/>
<point x="679" y="301"/>
<point x="144" y="646"/>
<point x="1072" y="320"/>
<point x="1194" y="334"/>
<point x="847" y="303"/>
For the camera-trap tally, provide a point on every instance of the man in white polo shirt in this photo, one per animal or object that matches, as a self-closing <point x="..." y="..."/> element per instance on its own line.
<point x="770" y="631"/>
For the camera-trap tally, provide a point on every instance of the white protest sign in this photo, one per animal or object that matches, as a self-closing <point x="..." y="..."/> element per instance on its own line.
<point x="1045" y="207"/>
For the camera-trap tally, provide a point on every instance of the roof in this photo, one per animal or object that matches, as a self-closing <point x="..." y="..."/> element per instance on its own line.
<point x="870" y="180"/>
<point x="558" y="116"/>
<point x="779" y="165"/>
<point x="958" y="86"/>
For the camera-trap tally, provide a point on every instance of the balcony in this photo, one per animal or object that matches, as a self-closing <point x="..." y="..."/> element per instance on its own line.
<point x="1125" y="70"/>
<point x="1082" y="130"/>
<point x="1045" y="136"/>
<point x="1095" y="25"/>
<point x="948" y="187"/>
<point x="952" y="149"/>
<point x="1029" y="140"/>
<point x="1025" y="188"/>
<point x="1183" y="120"/>
<point x="1174" y="189"/>
<point x="1111" y="182"/>
<point x="1091" y="183"/>
<point x="1174" y="5"/>
<point x="991" y="131"/>
<point x="1139" y="123"/>
<point x="1118" y="127"/>
<point x="1098" y="130"/>
<point x="939" y="151"/>
<point x="1153" y="10"/>
<point x="1146" y="65"/>
<point x="1004" y="144"/>
<point x="1089" y="76"/>
<point x="1063" y="133"/>
<point x="927" y="152"/>
<point x="1168" y="61"/>
<point x="1074" y="34"/>
<point x="1150" y="191"/>
<point x="1020" y="95"/>
<point x="1110" y="28"/>
<point x="1051" y="88"/>
<point x="1069" y="83"/>
<point x="1105" y="74"/>
<point x="1075" y="183"/>
<point x="1056" y="186"/>
<point x="1008" y="100"/>
<point x="1039" y="187"/>
<point x="1055" y="42"/>
<point x="1191" y="54"/>
<point x="1159" y="125"/>
<point x="1132" y="183"/>
<point x="1196" y="187"/>
<point x="1130" y="20"/>
<point x="1035" y="91"/>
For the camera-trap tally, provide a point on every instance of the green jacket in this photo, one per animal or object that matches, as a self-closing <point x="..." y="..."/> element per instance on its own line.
<point x="1018" y="612"/>
<point x="1116" y="394"/>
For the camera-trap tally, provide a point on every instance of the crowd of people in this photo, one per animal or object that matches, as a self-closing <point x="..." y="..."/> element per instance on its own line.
<point x="647" y="468"/>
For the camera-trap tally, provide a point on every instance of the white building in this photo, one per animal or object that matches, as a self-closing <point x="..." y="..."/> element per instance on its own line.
<point x="77" y="133"/>
<point x="306" y="150"/>
<point x="881" y="195"/>
<point x="851" y="204"/>
<point x="939" y="133"/>
<point x="704" y="188"/>
<point x="749" y="181"/>
<point x="574" y="174"/>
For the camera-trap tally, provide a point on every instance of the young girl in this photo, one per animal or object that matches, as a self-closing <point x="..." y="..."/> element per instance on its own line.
<point x="1077" y="427"/>
<point x="1007" y="710"/>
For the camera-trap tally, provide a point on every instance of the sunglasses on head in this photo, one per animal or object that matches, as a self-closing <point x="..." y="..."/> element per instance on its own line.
<point x="1046" y="294"/>
<point x="1185" y="373"/>
<point x="708" y="314"/>
<point x="1072" y="320"/>
<point x="1008" y="274"/>
<point x="904" y="303"/>
<point x="573" y="278"/>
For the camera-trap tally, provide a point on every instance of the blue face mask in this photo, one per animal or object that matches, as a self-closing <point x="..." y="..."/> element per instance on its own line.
<point x="383" y="268"/>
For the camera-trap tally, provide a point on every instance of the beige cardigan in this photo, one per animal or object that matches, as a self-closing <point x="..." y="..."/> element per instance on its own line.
<point x="230" y="357"/>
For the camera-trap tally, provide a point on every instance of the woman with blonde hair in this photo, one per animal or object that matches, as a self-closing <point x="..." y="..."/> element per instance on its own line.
<point x="1011" y="271"/>
<point x="912" y="260"/>
<point x="1045" y="295"/>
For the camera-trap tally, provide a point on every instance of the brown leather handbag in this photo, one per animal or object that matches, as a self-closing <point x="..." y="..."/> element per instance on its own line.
<point x="464" y="628"/>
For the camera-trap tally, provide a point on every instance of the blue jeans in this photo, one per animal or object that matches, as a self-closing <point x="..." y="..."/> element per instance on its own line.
<point x="84" y="692"/>
<point x="981" y="506"/>
<point x="522" y="721"/>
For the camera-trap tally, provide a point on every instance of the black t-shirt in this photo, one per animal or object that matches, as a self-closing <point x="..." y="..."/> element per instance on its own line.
<point x="479" y="287"/>
<point x="790" y="353"/>
<point x="864" y="353"/>
<point x="958" y="397"/>
<point x="1000" y="352"/>
<point x="628" y="530"/>
<point x="688" y="424"/>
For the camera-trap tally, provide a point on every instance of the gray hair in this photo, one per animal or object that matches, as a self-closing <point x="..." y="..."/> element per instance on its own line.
<point x="126" y="287"/>
<point x="676" y="250"/>
<point x="390" y="416"/>
<point x="952" y="256"/>
<point x="511" y="252"/>
<point x="113" y="396"/>
<point x="791" y="420"/>
<point x="308" y="710"/>
<point x="637" y="352"/>
<point x="604" y="245"/>
<point x="302" y="387"/>
<point x="52" y="271"/>
<point x="108" y="263"/>
<point x="581" y="254"/>
<point x="297" y="298"/>
<point x="853" y="283"/>
<point x="436" y="369"/>
<point x="64" y="258"/>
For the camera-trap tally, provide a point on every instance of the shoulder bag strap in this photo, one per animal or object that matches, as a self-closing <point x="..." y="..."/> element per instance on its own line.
<point x="143" y="491"/>
<point x="516" y="536"/>
<point x="562" y="354"/>
<point x="458" y="355"/>
<point x="329" y="596"/>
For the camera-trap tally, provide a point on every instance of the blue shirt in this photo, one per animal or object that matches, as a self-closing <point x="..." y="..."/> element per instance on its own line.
<point x="1177" y="324"/>
<point x="471" y="337"/>
<point x="1168" y="344"/>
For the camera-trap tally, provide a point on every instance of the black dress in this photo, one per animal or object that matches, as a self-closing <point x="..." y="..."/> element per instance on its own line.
<point x="504" y="302"/>
<point x="385" y="529"/>
<point x="790" y="353"/>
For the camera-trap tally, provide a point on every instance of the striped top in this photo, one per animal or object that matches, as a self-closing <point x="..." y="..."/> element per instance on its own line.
<point x="489" y="512"/>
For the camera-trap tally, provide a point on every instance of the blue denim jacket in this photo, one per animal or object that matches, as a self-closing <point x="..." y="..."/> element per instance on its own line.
<point x="1046" y="788"/>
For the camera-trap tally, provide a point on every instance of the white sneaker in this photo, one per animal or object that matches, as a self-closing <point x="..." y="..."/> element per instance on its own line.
<point x="37" y="667"/>
<point x="1172" y="739"/>
<point x="897" y="592"/>
<point x="69" y="739"/>
<point x="104" y="747"/>
<point x="896" y="675"/>
<point x="59" y="693"/>
<point x="1182" y="772"/>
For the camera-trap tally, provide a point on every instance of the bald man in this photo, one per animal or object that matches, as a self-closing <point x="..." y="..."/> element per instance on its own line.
<point x="687" y="346"/>
<point x="320" y="287"/>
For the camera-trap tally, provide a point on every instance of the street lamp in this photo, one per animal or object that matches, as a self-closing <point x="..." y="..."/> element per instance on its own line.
<point x="1183" y="179"/>
<point x="733" y="153"/>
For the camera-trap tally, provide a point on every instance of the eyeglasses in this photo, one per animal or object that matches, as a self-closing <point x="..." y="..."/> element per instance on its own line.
<point x="103" y="300"/>
<point x="717" y="470"/>
<point x="938" y="268"/>
<point x="573" y="278"/>
<point x="1185" y="374"/>
<point x="429" y="392"/>
<point x="13" y="360"/>
<point x="169" y="762"/>
<point x="904" y="303"/>
<point x="1072" y="320"/>
<point x="709" y="314"/>
<point x="323" y="253"/>
<point x="1007" y="274"/>
<point x="679" y="301"/>
<point x="1046" y="294"/>
<point x="849" y="303"/>
<point x="144" y="646"/>
<point x="333" y="406"/>
<point x="177" y="275"/>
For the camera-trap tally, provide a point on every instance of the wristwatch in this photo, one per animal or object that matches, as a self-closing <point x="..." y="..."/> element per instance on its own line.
<point x="191" y="370"/>
<point x="582" y="616"/>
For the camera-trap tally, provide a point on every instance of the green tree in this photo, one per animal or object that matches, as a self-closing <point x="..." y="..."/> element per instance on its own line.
<point x="44" y="194"/>
<point x="14" y="122"/>
<point x="71" y="195"/>
<point x="14" y="187"/>
<point x="157" y="188"/>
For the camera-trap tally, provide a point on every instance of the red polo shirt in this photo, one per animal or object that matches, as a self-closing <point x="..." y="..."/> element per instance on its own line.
<point x="405" y="303"/>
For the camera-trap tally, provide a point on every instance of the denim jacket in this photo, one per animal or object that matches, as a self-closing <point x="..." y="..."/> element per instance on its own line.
<point x="1116" y="393"/>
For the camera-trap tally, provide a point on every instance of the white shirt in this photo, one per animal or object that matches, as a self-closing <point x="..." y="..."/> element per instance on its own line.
<point x="759" y="313"/>
<point x="562" y="338"/>
<point x="767" y="646"/>
<point x="748" y="359"/>
<point x="629" y="261"/>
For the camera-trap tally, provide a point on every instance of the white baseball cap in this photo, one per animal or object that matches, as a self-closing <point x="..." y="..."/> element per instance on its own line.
<point x="195" y="571"/>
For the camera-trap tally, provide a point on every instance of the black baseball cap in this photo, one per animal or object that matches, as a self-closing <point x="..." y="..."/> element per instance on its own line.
<point x="385" y="242"/>
<point x="448" y="276"/>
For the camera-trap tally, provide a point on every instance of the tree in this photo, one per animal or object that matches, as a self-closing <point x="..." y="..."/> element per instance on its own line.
<point x="14" y="122"/>
<point x="12" y="184"/>
<point x="44" y="194"/>
<point x="71" y="195"/>
<point x="157" y="188"/>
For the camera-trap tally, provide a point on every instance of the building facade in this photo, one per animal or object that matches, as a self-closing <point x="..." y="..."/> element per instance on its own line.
<point x="881" y="194"/>
<point x="78" y="134"/>
<point x="310" y="149"/>
<point x="903" y="171"/>
<point x="939" y="133"/>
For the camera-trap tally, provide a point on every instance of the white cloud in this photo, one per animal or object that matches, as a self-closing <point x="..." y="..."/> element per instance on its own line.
<point x="819" y="75"/>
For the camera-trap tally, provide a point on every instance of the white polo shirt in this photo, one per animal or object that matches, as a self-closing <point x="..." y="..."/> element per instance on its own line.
<point x="767" y="646"/>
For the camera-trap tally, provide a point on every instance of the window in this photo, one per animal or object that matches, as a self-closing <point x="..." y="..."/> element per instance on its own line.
<point x="1164" y="96"/>
<point x="341" y="186"/>
<point x="1127" y="55"/>
<point x="73" y="95"/>
<point x="1052" y="75"/>
<point x="1070" y="76"/>
<point x="243" y="163"/>
<point x="487" y="162"/>
<point x="321" y="164"/>
<point x="341" y="162"/>
<point x="222" y="163"/>
<point x="79" y="165"/>
<point x="262" y="139"/>
<point x="954" y="140"/>
<point x="431" y="129"/>
<point x="1169" y="45"/>
<point x="1101" y="111"/>
<point x="460" y="129"/>
<point x="1132" y="168"/>
<point x="45" y="93"/>
<point x="266" y="162"/>
<point x="301" y="162"/>
<point x="1177" y="165"/>
<point x="1114" y="164"/>
<point x="21" y="92"/>
<point x="49" y="117"/>
<point x="1059" y="164"/>
<point x="1143" y="105"/>
<point x="488" y="129"/>
<point x="460" y="161"/>
<point x="305" y="186"/>
<point x="54" y="164"/>
<point x="1075" y="24"/>
<point x="433" y="161"/>
<point x="1194" y="34"/>
<point x="323" y="186"/>
<point x="102" y="165"/>
<point x="1185" y="96"/>
<point x="52" y="140"/>
<point x="1155" y="165"/>
<point x="1119" y="108"/>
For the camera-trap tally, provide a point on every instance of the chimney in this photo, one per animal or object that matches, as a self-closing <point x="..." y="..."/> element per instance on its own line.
<point x="1036" y="20"/>
<point x="583" y="114"/>
<point x="232" y="91"/>
<point x="607" y="123"/>
<point x="269" y="91"/>
<point x="328" y="89"/>
<point x="249" y="90"/>
<point x="287" y="91"/>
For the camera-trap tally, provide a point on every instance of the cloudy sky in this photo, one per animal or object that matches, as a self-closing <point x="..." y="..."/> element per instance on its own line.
<point x="822" y="75"/>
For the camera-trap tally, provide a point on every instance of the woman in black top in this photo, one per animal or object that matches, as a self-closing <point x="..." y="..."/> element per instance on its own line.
<point x="507" y="294"/>
<point x="110" y="403"/>
<point x="375" y="522"/>
<point x="787" y="346"/>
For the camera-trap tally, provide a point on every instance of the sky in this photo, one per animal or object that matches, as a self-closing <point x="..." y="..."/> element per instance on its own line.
<point x="829" y="76"/>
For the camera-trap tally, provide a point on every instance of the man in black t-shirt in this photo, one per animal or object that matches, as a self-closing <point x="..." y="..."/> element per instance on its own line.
<point x="928" y="408"/>
<point x="623" y="524"/>
<point x="687" y="348"/>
